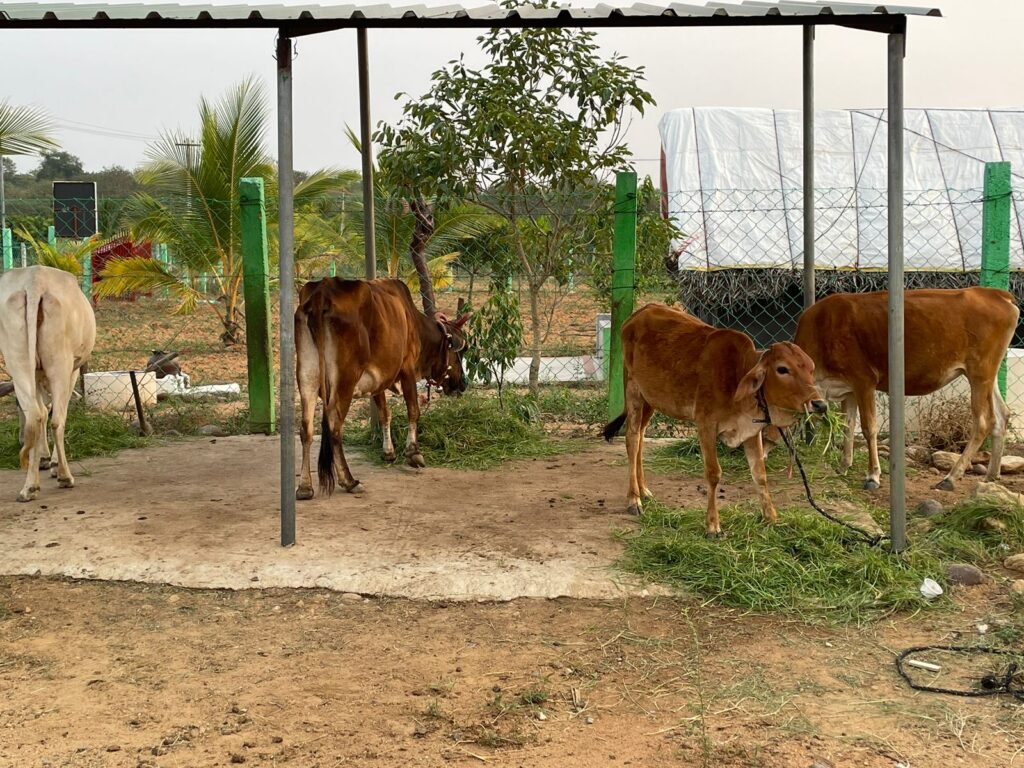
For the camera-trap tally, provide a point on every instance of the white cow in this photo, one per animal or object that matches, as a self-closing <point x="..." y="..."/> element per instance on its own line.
<point x="47" y="332"/>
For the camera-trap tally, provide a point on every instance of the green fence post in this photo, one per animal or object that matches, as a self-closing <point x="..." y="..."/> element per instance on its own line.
<point x="995" y="233"/>
<point x="256" y="286"/>
<point x="51" y="236"/>
<point x="623" y="264"/>
<point x="7" y="246"/>
<point x="87" y="275"/>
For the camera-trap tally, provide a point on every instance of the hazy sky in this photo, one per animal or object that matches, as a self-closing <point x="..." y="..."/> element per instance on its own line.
<point x="135" y="83"/>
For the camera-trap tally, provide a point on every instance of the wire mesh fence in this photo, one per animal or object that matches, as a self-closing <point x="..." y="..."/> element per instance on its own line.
<point x="541" y="298"/>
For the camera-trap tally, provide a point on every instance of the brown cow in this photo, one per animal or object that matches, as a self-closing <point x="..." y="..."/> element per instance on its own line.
<point x="357" y="338"/>
<point x="949" y="333"/>
<point x="687" y="369"/>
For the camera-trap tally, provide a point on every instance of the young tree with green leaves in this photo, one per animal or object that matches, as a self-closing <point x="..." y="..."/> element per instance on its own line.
<point x="192" y="205"/>
<point x="526" y="137"/>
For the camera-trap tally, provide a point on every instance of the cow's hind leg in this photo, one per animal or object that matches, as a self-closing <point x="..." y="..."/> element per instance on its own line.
<point x="754" y="449"/>
<point x="712" y="475"/>
<point x="850" y="419"/>
<point x="307" y="369"/>
<point x="60" y="394"/>
<point x="335" y="413"/>
<point x="982" y="419"/>
<point x="412" y="405"/>
<point x="646" y="414"/>
<point x="1001" y="421"/>
<point x="388" y="447"/>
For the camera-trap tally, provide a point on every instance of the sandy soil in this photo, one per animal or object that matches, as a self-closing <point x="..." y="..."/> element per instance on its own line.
<point x="107" y="675"/>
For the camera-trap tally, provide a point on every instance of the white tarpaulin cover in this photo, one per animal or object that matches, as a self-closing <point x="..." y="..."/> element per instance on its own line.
<point x="733" y="185"/>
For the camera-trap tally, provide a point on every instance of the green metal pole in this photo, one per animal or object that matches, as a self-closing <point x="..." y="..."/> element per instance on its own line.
<point x="995" y="232"/>
<point x="7" y="245"/>
<point x="87" y="275"/>
<point x="623" y="265"/>
<point x="256" y="286"/>
<point x="51" y="236"/>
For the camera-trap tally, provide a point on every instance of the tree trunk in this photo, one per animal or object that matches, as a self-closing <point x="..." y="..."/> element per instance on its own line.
<point x="535" y="336"/>
<point x="421" y="233"/>
<point x="231" y="326"/>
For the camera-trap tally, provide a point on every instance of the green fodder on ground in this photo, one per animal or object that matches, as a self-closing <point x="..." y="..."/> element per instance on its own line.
<point x="805" y="565"/>
<point x="88" y="433"/>
<point x="468" y="432"/>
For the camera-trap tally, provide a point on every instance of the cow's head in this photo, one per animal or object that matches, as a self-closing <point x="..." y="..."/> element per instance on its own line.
<point x="449" y="372"/>
<point x="785" y="377"/>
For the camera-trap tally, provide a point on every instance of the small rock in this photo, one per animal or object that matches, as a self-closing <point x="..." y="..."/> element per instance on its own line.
<point x="944" y="460"/>
<point x="918" y="453"/>
<point x="212" y="430"/>
<point x="993" y="524"/>
<point x="236" y="759"/>
<point x="1017" y="587"/>
<point x="821" y="762"/>
<point x="351" y="597"/>
<point x="999" y="495"/>
<point x="173" y="598"/>
<point x="964" y="575"/>
<point x="114" y="748"/>
<point x="541" y="716"/>
<point x="276" y="739"/>
<point x="172" y="433"/>
<point x="590" y="721"/>
<point x="1015" y="562"/>
<point x="1012" y="465"/>
<point x="978" y="469"/>
<point x="929" y="508"/>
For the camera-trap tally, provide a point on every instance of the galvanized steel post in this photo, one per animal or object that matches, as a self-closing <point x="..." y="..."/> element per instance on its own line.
<point x="366" y="147"/>
<point x="808" y="118"/>
<point x="897" y="383"/>
<point x="286" y="244"/>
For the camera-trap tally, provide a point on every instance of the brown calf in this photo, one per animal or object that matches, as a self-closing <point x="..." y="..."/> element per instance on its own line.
<point x="358" y="338"/>
<point x="687" y="369"/>
<point x="949" y="333"/>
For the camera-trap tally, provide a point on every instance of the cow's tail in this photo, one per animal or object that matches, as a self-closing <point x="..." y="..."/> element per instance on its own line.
<point x="35" y="417"/>
<point x="316" y="319"/>
<point x="612" y="427"/>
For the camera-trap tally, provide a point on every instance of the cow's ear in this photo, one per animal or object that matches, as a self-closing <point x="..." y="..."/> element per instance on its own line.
<point x="461" y="321"/>
<point x="751" y="382"/>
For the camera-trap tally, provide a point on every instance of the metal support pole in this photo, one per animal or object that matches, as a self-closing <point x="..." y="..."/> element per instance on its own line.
<point x="286" y="246"/>
<point x="369" y="217"/>
<point x="366" y="140"/>
<point x="808" y="118"/>
<point x="897" y="438"/>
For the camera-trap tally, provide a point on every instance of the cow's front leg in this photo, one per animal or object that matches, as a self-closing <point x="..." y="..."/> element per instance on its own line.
<point x="388" y="447"/>
<point x="412" y="405"/>
<point x="307" y="375"/>
<point x="712" y="475"/>
<point x="850" y="419"/>
<point x="754" y="449"/>
<point x="869" y="425"/>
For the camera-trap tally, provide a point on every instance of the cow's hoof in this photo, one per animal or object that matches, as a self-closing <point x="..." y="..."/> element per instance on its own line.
<point x="355" y="488"/>
<point x="66" y="482"/>
<point x="29" y="495"/>
<point x="871" y="485"/>
<point x="416" y="460"/>
<point x="389" y="457"/>
<point x="304" y="494"/>
<point x="634" y="509"/>
<point x="646" y="494"/>
<point x="714" y="535"/>
<point x="53" y="470"/>
<point x="944" y="485"/>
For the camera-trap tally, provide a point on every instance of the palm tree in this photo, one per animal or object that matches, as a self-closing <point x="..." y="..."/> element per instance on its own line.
<point x="191" y="204"/>
<point x="67" y="254"/>
<point x="23" y="131"/>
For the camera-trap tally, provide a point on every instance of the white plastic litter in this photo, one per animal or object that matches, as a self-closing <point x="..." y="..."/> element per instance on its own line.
<point x="175" y="384"/>
<point x="930" y="589"/>
<point x="213" y="390"/>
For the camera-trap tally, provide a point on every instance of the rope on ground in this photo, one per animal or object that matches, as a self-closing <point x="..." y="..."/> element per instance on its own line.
<point x="990" y="685"/>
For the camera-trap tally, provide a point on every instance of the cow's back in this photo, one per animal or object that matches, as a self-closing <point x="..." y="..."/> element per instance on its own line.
<point x="946" y="331"/>
<point x="67" y="323"/>
<point x="678" y="361"/>
<point x="359" y="311"/>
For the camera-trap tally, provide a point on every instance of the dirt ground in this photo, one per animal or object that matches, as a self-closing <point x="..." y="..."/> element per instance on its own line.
<point x="96" y="673"/>
<point x="101" y="674"/>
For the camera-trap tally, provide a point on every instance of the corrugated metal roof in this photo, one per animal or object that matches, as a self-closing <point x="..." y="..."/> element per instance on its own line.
<point x="57" y="14"/>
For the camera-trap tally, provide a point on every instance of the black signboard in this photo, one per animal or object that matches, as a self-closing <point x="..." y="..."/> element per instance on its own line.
<point x="74" y="209"/>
